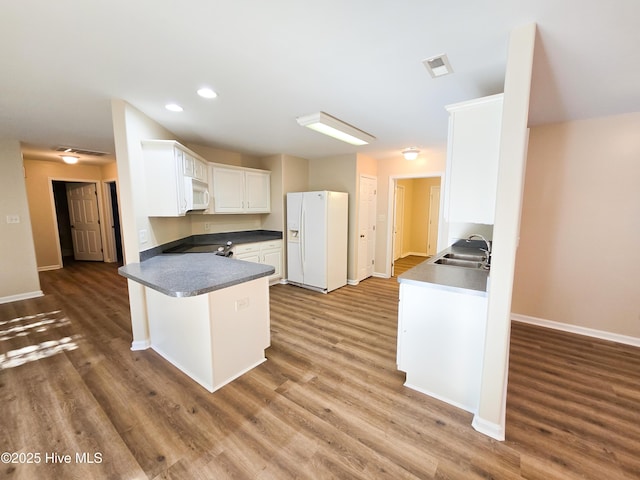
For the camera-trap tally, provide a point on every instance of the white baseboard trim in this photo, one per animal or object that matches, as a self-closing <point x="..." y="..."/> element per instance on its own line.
<point x="565" y="327"/>
<point x="380" y="275"/>
<point x="414" y="254"/>
<point x="49" y="267"/>
<point x="140" y="345"/>
<point x="487" y="428"/>
<point x="21" y="296"/>
<point x="352" y="282"/>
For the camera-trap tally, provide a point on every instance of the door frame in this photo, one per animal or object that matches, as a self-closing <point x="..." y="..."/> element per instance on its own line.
<point x="101" y="215"/>
<point x="430" y="251"/>
<point x="391" y="206"/>
<point x="399" y="235"/>
<point x="109" y="245"/>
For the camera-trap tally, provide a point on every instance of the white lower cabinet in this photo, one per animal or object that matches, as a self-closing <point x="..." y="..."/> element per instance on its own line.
<point x="441" y="342"/>
<point x="267" y="253"/>
<point x="214" y="337"/>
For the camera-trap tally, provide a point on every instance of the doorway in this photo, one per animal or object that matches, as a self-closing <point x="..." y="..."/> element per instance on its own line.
<point x="83" y="222"/>
<point x="78" y="220"/>
<point x="113" y="252"/>
<point x="414" y="206"/>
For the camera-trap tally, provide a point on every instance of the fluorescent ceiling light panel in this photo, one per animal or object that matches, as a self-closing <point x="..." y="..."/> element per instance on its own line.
<point x="331" y="126"/>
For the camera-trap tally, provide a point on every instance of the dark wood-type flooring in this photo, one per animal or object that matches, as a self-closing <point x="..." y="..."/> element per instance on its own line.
<point x="328" y="403"/>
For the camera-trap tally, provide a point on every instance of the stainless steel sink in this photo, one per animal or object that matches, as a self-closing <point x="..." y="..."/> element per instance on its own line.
<point x="458" y="262"/>
<point x="465" y="256"/>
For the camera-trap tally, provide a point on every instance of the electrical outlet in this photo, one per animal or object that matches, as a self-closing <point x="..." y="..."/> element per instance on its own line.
<point x="242" y="303"/>
<point x="13" y="218"/>
<point x="207" y="227"/>
<point x="142" y="236"/>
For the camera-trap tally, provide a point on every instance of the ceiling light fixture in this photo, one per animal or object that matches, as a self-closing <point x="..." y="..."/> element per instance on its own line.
<point x="206" y="92"/>
<point x="69" y="159"/>
<point x="173" y="107"/>
<point x="410" y="153"/>
<point x="328" y="125"/>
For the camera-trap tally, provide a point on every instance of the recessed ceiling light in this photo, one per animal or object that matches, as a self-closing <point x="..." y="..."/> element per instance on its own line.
<point x="206" y="92"/>
<point x="70" y="159"/>
<point x="173" y="107"/>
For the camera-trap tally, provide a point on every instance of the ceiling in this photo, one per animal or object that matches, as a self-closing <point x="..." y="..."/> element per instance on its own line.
<point x="270" y="62"/>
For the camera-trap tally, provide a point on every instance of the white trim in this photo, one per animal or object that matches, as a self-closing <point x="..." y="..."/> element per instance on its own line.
<point x="381" y="275"/>
<point x="140" y="345"/>
<point x="493" y="430"/>
<point x="353" y="282"/>
<point x="415" y="254"/>
<point x="21" y="296"/>
<point x="49" y="267"/>
<point x="566" y="327"/>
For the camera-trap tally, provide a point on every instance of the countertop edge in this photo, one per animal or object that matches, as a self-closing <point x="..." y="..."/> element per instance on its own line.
<point x="193" y="274"/>
<point x="447" y="277"/>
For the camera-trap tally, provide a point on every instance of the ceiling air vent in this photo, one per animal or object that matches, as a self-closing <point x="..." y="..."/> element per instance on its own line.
<point x="438" y="66"/>
<point x="80" y="151"/>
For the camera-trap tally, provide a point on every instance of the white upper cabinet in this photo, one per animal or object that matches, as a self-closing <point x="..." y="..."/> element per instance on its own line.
<point x="240" y="190"/>
<point x="473" y="152"/>
<point x="166" y="164"/>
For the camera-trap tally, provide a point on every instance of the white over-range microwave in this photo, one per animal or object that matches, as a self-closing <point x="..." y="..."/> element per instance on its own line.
<point x="196" y="194"/>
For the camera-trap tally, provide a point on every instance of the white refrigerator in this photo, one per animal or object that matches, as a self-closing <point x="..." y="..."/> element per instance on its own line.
<point x="317" y="230"/>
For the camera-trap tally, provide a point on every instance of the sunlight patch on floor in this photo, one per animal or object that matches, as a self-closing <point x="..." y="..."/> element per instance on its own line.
<point x="34" y="325"/>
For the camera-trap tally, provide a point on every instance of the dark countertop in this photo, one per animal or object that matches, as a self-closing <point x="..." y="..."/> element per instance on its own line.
<point x="188" y="275"/>
<point x="238" y="238"/>
<point x="465" y="280"/>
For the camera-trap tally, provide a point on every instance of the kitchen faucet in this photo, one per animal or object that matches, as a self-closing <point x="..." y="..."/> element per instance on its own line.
<point x="487" y="262"/>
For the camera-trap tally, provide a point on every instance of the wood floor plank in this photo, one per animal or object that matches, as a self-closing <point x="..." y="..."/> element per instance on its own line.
<point x="328" y="403"/>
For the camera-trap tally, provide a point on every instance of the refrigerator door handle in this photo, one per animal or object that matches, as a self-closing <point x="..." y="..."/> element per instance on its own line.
<point x="301" y="240"/>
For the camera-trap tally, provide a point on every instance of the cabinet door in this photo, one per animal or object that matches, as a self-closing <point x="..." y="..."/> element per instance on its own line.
<point x="472" y="163"/>
<point x="199" y="170"/>
<point x="188" y="164"/>
<point x="248" y="257"/>
<point x="228" y="190"/>
<point x="273" y="257"/>
<point x="258" y="192"/>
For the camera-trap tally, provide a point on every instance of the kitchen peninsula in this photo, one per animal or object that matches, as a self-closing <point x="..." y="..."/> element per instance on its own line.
<point x="208" y="315"/>
<point x="442" y="318"/>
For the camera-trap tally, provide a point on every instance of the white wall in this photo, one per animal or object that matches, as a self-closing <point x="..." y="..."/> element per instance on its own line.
<point x="578" y="263"/>
<point x="18" y="272"/>
<point x="490" y="418"/>
<point x="130" y="127"/>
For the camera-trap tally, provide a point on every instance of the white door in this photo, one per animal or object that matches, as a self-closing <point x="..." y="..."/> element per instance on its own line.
<point x="85" y="221"/>
<point x="294" y="244"/>
<point x="434" y="213"/>
<point x="366" y="226"/>
<point x="398" y="225"/>
<point x="314" y="239"/>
